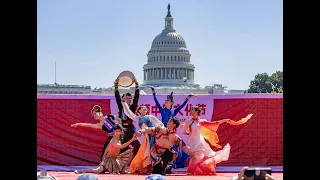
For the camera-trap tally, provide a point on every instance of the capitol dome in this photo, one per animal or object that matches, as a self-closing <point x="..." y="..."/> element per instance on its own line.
<point x="168" y="39"/>
<point x="169" y="59"/>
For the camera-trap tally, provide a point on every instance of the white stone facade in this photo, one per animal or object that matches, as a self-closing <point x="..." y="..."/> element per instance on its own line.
<point x="62" y="89"/>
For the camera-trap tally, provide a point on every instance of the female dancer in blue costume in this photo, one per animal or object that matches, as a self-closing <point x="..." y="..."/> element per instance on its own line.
<point x="142" y="163"/>
<point x="166" y="113"/>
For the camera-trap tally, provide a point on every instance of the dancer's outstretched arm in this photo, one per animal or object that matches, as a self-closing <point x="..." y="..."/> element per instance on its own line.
<point x="186" y="127"/>
<point x="149" y="130"/>
<point x="134" y="104"/>
<point x="89" y="125"/>
<point x="156" y="100"/>
<point x="178" y="109"/>
<point x="125" y="144"/>
<point x="223" y="121"/>
<point x="182" y="145"/>
<point x="118" y="119"/>
<point x="117" y="93"/>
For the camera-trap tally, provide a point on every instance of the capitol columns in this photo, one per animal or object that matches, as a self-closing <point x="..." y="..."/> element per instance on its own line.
<point x="174" y="73"/>
<point x="187" y="74"/>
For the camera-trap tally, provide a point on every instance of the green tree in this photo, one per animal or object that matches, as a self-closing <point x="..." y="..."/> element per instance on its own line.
<point x="277" y="81"/>
<point x="263" y="83"/>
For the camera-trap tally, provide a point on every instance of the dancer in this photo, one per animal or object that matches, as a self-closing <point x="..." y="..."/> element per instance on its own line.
<point x="106" y="124"/>
<point x="166" y="113"/>
<point x="204" y="159"/>
<point x="141" y="163"/>
<point x="126" y="121"/>
<point x="165" y="139"/>
<point x="113" y="161"/>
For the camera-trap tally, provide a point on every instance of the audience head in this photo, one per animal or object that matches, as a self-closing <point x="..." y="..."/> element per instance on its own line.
<point x="88" y="176"/>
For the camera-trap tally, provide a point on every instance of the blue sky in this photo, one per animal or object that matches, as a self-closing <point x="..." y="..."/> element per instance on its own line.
<point x="230" y="41"/>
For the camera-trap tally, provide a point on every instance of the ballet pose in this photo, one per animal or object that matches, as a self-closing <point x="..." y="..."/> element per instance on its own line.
<point x="204" y="159"/>
<point x="166" y="113"/>
<point x="126" y="121"/>
<point x="113" y="161"/>
<point x="141" y="163"/>
<point x="106" y="123"/>
<point x="162" y="151"/>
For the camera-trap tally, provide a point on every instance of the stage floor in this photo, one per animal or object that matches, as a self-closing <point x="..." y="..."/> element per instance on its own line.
<point x="175" y="176"/>
<point x="219" y="169"/>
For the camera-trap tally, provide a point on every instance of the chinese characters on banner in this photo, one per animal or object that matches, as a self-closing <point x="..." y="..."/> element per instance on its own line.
<point x="183" y="114"/>
<point x="204" y="103"/>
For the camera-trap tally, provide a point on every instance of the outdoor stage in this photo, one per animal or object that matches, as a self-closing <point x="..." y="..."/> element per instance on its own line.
<point x="258" y="143"/>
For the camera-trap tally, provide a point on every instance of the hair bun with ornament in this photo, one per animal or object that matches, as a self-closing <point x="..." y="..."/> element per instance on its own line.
<point x="170" y="96"/>
<point x="96" y="109"/>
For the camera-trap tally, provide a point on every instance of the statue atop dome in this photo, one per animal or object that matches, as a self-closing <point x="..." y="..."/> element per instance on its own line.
<point x="168" y="13"/>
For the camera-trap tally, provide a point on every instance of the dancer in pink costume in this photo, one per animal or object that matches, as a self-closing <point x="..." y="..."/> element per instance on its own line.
<point x="204" y="159"/>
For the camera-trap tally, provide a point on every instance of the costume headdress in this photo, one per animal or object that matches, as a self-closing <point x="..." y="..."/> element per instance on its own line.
<point x="96" y="109"/>
<point x="170" y="97"/>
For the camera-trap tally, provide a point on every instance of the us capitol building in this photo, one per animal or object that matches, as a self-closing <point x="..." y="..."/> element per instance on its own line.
<point x="168" y="67"/>
<point x="169" y="59"/>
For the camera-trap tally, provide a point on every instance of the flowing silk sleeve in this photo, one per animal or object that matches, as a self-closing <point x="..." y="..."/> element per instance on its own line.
<point x="209" y="129"/>
<point x="209" y="132"/>
<point x="156" y="121"/>
<point x="129" y="113"/>
<point x="241" y="121"/>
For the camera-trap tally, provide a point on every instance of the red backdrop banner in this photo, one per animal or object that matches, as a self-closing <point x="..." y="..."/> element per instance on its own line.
<point x="58" y="143"/>
<point x="256" y="143"/>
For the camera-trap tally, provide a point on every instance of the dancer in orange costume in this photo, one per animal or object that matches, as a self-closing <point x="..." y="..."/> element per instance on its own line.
<point x="162" y="151"/>
<point x="204" y="159"/>
<point x="141" y="163"/>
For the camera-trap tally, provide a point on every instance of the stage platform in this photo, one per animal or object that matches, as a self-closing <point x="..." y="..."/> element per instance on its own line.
<point x="219" y="169"/>
<point x="223" y="173"/>
<point x="176" y="176"/>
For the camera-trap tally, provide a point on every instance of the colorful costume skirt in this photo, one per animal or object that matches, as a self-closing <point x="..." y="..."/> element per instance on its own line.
<point x="141" y="163"/>
<point x="116" y="164"/>
<point x="200" y="164"/>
